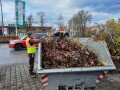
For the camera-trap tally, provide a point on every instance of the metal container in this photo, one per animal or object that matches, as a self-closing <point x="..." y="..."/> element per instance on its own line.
<point x="77" y="78"/>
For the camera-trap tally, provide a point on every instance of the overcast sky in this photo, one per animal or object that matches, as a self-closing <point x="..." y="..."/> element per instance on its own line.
<point x="101" y="10"/>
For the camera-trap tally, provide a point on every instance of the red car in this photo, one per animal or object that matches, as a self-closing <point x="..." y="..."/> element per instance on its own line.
<point x="20" y="43"/>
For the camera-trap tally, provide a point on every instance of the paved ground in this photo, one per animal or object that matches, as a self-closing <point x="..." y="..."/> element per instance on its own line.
<point x="14" y="73"/>
<point x="16" y="76"/>
<point x="109" y="82"/>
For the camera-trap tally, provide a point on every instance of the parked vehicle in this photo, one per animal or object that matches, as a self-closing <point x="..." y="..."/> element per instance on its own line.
<point x="77" y="78"/>
<point x="61" y="34"/>
<point x="19" y="44"/>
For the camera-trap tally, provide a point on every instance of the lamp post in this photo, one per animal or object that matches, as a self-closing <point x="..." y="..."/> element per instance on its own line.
<point x="2" y="16"/>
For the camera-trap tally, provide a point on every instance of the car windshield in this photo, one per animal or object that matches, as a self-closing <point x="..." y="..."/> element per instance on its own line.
<point x="23" y="38"/>
<point x="41" y="35"/>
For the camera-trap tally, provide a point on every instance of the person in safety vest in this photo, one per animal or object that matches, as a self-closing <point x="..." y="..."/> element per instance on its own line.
<point x="31" y="50"/>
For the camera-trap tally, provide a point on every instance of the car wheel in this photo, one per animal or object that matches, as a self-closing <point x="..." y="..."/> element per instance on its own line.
<point x="18" y="47"/>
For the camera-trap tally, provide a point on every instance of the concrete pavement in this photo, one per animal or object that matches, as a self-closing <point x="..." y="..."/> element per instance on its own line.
<point x="3" y="45"/>
<point x="16" y="77"/>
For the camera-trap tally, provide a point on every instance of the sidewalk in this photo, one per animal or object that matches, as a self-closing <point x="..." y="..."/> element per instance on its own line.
<point x="4" y="45"/>
<point x="16" y="77"/>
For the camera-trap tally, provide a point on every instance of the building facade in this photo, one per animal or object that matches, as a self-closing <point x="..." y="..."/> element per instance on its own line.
<point x="11" y="30"/>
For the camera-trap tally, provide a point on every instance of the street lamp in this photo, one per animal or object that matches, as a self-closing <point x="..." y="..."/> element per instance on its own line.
<point x="2" y="16"/>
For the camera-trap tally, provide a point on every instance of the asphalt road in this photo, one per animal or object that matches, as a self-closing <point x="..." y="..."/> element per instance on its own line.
<point x="10" y="56"/>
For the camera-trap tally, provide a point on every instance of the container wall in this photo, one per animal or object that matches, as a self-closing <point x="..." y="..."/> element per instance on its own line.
<point x="72" y="80"/>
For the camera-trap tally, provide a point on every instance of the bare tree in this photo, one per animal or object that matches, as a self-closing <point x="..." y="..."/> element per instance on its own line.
<point x="104" y="28"/>
<point x="101" y="27"/>
<point x="72" y="27"/>
<point x="29" y="22"/>
<point x="41" y="18"/>
<point x="80" y="21"/>
<point x="60" y="22"/>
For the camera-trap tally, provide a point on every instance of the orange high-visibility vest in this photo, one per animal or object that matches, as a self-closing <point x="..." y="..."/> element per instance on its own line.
<point x="27" y="42"/>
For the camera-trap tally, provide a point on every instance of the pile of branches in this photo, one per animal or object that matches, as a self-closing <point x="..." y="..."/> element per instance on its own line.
<point x="114" y="49"/>
<point x="67" y="54"/>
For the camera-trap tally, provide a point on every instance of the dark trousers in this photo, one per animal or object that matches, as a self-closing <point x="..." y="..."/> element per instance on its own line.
<point x="31" y="62"/>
